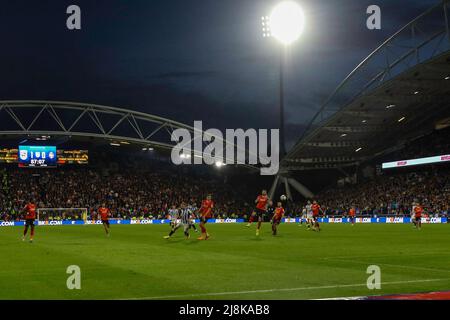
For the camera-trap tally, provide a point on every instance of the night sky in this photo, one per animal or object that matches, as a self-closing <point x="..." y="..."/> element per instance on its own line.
<point x="188" y="60"/>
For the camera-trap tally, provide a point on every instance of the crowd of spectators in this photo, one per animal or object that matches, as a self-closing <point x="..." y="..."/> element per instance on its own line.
<point x="391" y="194"/>
<point x="141" y="194"/>
<point x="128" y="194"/>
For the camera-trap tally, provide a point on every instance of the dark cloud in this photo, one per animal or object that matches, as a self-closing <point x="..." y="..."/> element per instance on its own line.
<point x="188" y="60"/>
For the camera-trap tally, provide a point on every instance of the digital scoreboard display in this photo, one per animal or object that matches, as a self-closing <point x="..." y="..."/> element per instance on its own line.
<point x="80" y="157"/>
<point x="37" y="156"/>
<point x="9" y="155"/>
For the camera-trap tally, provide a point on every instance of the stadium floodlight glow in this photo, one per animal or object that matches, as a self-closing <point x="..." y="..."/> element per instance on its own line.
<point x="266" y="26"/>
<point x="390" y="106"/>
<point x="401" y="119"/>
<point x="447" y="78"/>
<point x="343" y="135"/>
<point x="364" y="121"/>
<point x="416" y="92"/>
<point x="124" y="142"/>
<point x="115" y="144"/>
<point x="358" y="150"/>
<point x="219" y="164"/>
<point x="286" y="22"/>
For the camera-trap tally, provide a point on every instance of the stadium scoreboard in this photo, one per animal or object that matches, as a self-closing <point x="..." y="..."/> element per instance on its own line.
<point x="9" y="155"/>
<point x="43" y="156"/>
<point x="37" y="156"/>
<point x="72" y="157"/>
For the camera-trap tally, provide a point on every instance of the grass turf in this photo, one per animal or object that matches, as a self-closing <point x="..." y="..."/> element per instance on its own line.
<point x="136" y="262"/>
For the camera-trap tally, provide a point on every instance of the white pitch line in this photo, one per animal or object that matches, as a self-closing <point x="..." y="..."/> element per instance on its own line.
<point x="391" y="265"/>
<point x="194" y="295"/>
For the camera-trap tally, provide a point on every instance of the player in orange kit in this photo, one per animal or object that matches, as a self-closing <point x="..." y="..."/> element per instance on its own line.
<point x="30" y="217"/>
<point x="315" y="211"/>
<point x="205" y="213"/>
<point x="277" y="216"/>
<point x="418" y="210"/>
<point x="352" y="213"/>
<point x="262" y="201"/>
<point x="104" y="213"/>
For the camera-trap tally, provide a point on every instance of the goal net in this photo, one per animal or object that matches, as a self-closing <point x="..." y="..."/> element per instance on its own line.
<point x="49" y="214"/>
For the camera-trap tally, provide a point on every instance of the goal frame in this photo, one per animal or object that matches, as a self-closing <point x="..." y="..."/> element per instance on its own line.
<point x="83" y="210"/>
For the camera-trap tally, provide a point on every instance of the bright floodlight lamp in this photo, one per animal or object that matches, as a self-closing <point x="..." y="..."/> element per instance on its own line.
<point x="286" y="22"/>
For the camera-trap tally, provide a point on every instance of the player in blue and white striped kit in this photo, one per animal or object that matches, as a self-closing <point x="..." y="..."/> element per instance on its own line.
<point x="193" y="209"/>
<point x="184" y="216"/>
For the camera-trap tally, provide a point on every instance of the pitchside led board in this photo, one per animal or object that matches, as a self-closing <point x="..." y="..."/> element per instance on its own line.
<point x="37" y="156"/>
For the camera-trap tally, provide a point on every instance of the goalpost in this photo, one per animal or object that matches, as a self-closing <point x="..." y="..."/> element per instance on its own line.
<point x="62" y="214"/>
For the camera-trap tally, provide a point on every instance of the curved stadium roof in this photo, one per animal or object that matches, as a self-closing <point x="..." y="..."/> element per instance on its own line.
<point x="399" y="92"/>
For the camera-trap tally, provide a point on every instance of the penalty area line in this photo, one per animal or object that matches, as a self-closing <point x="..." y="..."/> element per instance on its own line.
<point x="194" y="295"/>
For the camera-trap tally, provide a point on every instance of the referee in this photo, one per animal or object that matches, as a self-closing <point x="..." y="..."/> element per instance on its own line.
<point x="184" y="216"/>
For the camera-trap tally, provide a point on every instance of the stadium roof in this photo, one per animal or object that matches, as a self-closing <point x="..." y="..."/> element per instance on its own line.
<point x="399" y="92"/>
<point x="43" y="120"/>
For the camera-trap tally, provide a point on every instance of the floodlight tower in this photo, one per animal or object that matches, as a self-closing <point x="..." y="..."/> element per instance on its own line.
<point x="285" y="24"/>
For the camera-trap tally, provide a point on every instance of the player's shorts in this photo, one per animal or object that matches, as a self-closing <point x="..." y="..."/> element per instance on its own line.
<point x="106" y="222"/>
<point x="204" y="219"/>
<point x="276" y="221"/>
<point x="29" y="222"/>
<point x="260" y="212"/>
<point x="309" y="216"/>
<point x="176" y="224"/>
<point x="315" y="218"/>
<point x="418" y="219"/>
<point x="352" y="219"/>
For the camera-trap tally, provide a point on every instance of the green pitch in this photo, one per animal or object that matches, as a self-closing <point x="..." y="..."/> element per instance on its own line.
<point x="137" y="263"/>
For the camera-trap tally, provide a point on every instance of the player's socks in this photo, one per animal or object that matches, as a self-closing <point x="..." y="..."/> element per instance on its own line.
<point x="203" y="236"/>
<point x="250" y="221"/>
